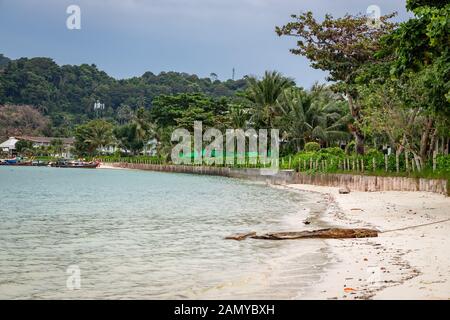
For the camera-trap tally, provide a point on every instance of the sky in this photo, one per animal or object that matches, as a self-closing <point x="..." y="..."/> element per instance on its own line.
<point x="126" y="38"/>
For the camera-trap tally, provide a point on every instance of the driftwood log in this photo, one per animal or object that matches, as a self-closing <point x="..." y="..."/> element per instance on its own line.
<point x="241" y="236"/>
<point x="331" y="233"/>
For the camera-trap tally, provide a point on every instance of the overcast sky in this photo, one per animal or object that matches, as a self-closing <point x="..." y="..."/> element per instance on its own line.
<point x="125" y="38"/>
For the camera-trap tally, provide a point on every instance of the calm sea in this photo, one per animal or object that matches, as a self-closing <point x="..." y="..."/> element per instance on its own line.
<point x="134" y="234"/>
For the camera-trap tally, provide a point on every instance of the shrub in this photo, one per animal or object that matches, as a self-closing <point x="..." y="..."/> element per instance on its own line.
<point x="374" y="153"/>
<point x="443" y="164"/>
<point x="350" y="148"/>
<point x="312" y="146"/>
<point x="335" y="151"/>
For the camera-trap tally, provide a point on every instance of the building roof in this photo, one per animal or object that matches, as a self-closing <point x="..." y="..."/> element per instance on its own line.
<point x="9" y="144"/>
<point x="46" y="139"/>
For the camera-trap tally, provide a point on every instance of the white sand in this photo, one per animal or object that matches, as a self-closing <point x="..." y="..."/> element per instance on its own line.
<point x="406" y="264"/>
<point x="108" y="166"/>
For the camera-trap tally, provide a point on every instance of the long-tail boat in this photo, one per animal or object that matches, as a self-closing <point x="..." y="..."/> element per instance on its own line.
<point x="75" y="164"/>
<point x="15" y="162"/>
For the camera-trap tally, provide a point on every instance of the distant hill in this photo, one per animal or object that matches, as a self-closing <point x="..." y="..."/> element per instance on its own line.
<point x="67" y="93"/>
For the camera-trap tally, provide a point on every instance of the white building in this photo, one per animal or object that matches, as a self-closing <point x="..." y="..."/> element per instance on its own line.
<point x="9" y="146"/>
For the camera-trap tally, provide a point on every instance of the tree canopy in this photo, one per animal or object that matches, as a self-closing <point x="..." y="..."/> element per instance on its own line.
<point x="67" y="93"/>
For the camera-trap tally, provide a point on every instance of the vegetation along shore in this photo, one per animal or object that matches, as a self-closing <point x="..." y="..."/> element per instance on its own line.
<point x="373" y="140"/>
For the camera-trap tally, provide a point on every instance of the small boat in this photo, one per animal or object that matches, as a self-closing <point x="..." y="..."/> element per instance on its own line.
<point x="75" y="164"/>
<point x="39" y="163"/>
<point x="15" y="162"/>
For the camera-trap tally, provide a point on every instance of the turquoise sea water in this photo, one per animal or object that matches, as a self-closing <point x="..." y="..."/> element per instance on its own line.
<point x="136" y="234"/>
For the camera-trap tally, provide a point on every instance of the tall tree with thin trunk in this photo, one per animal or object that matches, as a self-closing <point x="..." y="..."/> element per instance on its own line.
<point x="264" y="94"/>
<point x="339" y="46"/>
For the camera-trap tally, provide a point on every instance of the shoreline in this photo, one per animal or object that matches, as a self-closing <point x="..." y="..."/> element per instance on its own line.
<point x="399" y="264"/>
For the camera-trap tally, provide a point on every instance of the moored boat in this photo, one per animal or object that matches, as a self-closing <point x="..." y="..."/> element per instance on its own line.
<point x="15" y="162"/>
<point x="39" y="163"/>
<point x="75" y="164"/>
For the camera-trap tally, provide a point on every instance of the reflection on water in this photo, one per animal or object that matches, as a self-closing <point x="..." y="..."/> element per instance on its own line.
<point x="149" y="235"/>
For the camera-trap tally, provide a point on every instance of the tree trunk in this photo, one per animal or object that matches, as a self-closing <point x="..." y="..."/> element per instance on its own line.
<point x="424" y="141"/>
<point x="407" y="161"/>
<point x="355" y="111"/>
<point x="397" y="161"/>
<point x="434" y="140"/>
<point x="447" y="143"/>
<point x="359" y="141"/>
<point x="418" y="162"/>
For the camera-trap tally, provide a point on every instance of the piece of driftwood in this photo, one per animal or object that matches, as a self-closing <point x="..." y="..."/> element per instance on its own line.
<point x="332" y="233"/>
<point x="241" y="236"/>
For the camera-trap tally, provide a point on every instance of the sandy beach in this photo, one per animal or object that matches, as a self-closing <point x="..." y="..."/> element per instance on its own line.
<point x="108" y="166"/>
<point x="410" y="263"/>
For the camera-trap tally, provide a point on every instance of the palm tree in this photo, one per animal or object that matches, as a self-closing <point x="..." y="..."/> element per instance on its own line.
<point x="163" y="137"/>
<point x="238" y="116"/>
<point x="143" y="125"/>
<point x="294" y="105"/>
<point x="317" y="115"/>
<point x="57" y="146"/>
<point x="264" y="94"/>
<point x="332" y="124"/>
<point x="93" y="135"/>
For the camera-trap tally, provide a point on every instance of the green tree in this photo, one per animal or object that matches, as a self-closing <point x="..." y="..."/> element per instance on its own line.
<point x="67" y="93"/>
<point x="142" y="124"/>
<point x="264" y="94"/>
<point x="238" y="116"/>
<point x="57" y="146"/>
<point x="318" y="116"/>
<point x="93" y="135"/>
<point x="406" y="91"/>
<point x="182" y="110"/>
<point x="339" y="46"/>
<point x="24" y="146"/>
<point x="128" y="138"/>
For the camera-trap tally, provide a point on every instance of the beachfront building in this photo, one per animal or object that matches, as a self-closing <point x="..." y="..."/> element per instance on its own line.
<point x="148" y="150"/>
<point x="9" y="146"/>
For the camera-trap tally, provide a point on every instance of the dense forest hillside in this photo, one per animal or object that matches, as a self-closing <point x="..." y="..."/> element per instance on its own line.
<point x="67" y="93"/>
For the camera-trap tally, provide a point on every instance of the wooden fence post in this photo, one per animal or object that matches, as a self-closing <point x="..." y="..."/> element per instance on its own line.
<point x="397" y="162"/>
<point x="406" y="161"/>
<point x="434" y="160"/>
